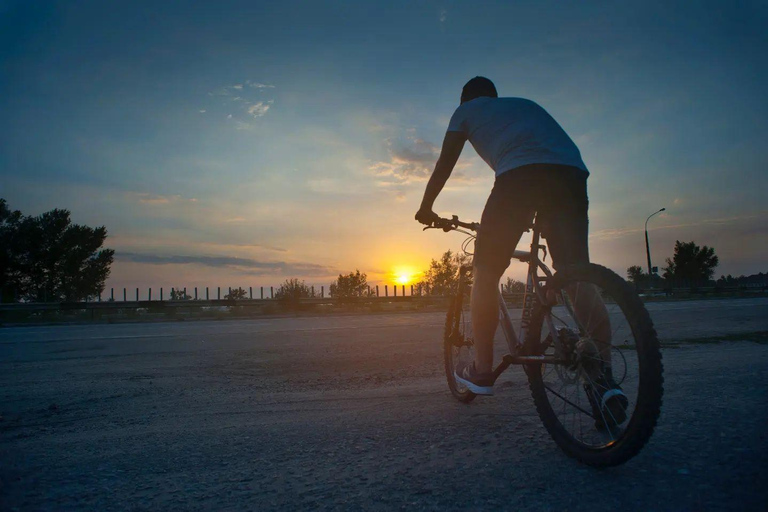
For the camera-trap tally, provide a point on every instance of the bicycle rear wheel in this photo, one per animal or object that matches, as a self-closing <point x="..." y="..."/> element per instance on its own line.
<point x="458" y="342"/>
<point x="600" y="332"/>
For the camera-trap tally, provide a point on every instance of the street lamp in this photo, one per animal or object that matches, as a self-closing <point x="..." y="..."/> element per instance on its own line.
<point x="647" y="247"/>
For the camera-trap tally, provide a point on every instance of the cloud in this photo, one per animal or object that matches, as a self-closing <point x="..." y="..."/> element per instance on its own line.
<point x="409" y="161"/>
<point x="259" y="108"/>
<point x="140" y="242"/>
<point x="146" y="198"/>
<point x="229" y="90"/>
<point x="247" y="265"/>
<point x="221" y="91"/>
<point x="227" y="246"/>
<point x="241" y="102"/>
<point x="257" y="85"/>
<point x="719" y="221"/>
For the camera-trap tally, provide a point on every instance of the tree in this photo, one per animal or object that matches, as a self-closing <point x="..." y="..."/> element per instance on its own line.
<point x="49" y="258"/>
<point x="635" y="274"/>
<point x="179" y="294"/>
<point x="514" y="286"/>
<point x="691" y="264"/>
<point x="10" y="272"/>
<point x="292" y="290"/>
<point x="442" y="276"/>
<point x="726" y="281"/>
<point x="354" y="284"/>
<point x="236" y="294"/>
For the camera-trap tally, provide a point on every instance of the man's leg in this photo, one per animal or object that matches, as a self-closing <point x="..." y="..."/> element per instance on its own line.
<point x="508" y="212"/>
<point x="485" y="315"/>
<point x="566" y="227"/>
<point x="592" y="315"/>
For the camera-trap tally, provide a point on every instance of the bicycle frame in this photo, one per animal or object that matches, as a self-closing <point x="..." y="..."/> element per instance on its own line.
<point x="533" y="296"/>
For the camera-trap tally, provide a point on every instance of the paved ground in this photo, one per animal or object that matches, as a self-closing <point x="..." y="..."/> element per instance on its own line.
<point x="353" y="413"/>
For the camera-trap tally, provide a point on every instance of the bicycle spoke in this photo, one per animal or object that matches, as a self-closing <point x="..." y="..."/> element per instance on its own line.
<point x="566" y="401"/>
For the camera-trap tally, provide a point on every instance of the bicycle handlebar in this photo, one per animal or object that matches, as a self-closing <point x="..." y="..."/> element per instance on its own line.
<point x="453" y="223"/>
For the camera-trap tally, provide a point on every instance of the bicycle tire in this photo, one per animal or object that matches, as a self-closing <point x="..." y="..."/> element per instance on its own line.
<point x="455" y="332"/>
<point x="644" y="416"/>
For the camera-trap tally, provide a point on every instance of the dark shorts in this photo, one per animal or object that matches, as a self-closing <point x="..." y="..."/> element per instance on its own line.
<point x="556" y="193"/>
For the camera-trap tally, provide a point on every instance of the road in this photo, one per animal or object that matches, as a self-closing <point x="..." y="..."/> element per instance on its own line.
<point x="351" y="412"/>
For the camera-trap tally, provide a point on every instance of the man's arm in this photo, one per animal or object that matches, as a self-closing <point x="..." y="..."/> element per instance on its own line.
<point x="453" y="143"/>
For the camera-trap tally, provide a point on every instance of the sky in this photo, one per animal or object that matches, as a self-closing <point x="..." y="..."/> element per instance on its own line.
<point x="242" y="143"/>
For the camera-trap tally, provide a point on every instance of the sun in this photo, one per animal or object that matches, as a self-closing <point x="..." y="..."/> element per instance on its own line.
<point x="404" y="275"/>
<point x="403" y="279"/>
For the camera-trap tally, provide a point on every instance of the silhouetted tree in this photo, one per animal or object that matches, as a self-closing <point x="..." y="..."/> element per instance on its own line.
<point x="292" y="290"/>
<point x="726" y="281"/>
<point x="691" y="265"/>
<point x="179" y="294"/>
<point x="354" y="284"/>
<point x="236" y="294"/>
<point x="514" y="286"/>
<point x="49" y="258"/>
<point x="10" y="271"/>
<point x="443" y="275"/>
<point x="754" y="280"/>
<point x="635" y="274"/>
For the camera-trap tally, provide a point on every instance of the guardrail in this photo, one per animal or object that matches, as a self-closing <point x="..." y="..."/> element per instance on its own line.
<point x="116" y="310"/>
<point x="200" y="308"/>
<point x="197" y="303"/>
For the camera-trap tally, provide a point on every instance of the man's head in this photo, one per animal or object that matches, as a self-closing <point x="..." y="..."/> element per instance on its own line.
<point x="477" y="87"/>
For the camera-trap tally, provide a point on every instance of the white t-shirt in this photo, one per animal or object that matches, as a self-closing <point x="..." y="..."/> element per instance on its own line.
<point x="510" y="132"/>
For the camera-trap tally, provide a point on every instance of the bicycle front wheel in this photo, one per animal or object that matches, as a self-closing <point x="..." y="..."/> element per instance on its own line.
<point x="601" y="400"/>
<point x="458" y="342"/>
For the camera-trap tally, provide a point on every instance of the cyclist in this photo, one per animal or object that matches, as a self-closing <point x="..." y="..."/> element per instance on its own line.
<point x="538" y="169"/>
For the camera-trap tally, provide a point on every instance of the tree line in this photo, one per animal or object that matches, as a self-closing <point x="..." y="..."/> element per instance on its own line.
<point x="690" y="266"/>
<point x="440" y="278"/>
<point x="47" y="258"/>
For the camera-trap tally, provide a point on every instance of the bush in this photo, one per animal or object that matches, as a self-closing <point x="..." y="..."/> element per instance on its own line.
<point x="236" y="294"/>
<point x="354" y="284"/>
<point x="292" y="290"/>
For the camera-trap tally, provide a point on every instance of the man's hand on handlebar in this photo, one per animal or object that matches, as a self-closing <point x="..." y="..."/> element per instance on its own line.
<point x="427" y="217"/>
<point x="433" y="220"/>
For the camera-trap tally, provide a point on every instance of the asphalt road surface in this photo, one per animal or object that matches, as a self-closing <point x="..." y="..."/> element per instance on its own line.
<point x="352" y="412"/>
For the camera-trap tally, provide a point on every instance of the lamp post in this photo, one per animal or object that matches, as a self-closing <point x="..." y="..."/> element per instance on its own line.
<point x="648" y="247"/>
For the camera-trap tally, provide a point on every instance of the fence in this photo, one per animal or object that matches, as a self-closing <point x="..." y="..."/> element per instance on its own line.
<point x="376" y="299"/>
<point x="197" y="302"/>
<point x="217" y="307"/>
<point x="262" y="292"/>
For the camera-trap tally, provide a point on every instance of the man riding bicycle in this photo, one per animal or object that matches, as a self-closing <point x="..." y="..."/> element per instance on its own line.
<point x="539" y="171"/>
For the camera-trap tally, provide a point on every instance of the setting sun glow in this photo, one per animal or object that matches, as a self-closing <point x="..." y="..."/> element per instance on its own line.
<point x="404" y="276"/>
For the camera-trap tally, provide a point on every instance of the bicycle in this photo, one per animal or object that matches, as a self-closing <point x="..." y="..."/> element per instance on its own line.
<point x="563" y="348"/>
